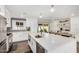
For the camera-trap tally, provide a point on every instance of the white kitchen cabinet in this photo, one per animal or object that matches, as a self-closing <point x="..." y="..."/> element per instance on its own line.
<point x="4" y="39"/>
<point x="52" y="44"/>
<point x="2" y="28"/>
<point x="20" y="36"/>
<point x="35" y="46"/>
<point x="7" y="15"/>
<point x="63" y="23"/>
<point x="2" y="34"/>
<point x="32" y="43"/>
<point x="2" y="10"/>
<point x="75" y="27"/>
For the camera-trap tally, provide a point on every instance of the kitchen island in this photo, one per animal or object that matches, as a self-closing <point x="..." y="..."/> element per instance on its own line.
<point x="50" y="43"/>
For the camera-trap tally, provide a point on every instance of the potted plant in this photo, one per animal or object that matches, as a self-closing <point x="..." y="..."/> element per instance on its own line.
<point x="41" y="31"/>
<point x="45" y="30"/>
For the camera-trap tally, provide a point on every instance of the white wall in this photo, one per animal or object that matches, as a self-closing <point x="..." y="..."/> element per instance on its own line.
<point x="54" y="26"/>
<point x="33" y="23"/>
<point x="75" y="24"/>
<point x="14" y="27"/>
<point x="51" y="26"/>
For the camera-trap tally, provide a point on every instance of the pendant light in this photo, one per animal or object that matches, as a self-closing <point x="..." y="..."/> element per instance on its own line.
<point x="40" y="15"/>
<point x="52" y="8"/>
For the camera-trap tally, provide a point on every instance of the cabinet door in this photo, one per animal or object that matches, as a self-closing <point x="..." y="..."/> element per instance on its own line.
<point x="33" y="45"/>
<point x="2" y="29"/>
<point x="2" y="10"/>
<point x="7" y="15"/>
<point x="39" y="48"/>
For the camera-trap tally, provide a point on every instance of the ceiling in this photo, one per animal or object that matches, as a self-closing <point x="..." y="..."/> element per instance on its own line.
<point x="33" y="11"/>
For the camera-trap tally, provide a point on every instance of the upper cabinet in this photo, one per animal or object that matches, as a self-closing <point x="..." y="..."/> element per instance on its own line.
<point x="2" y="10"/>
<point x="2" y="28"/>
<point x="64" y="24"/>
<point x="7" y="15"/>
<point x="61" y="25"/>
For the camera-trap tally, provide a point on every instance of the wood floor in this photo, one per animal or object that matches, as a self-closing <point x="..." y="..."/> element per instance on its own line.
<point x="20" y="47"/>
<point x="23" y="47"/>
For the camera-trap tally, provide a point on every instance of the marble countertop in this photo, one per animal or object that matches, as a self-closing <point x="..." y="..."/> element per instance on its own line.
<point x="51" y="41"/>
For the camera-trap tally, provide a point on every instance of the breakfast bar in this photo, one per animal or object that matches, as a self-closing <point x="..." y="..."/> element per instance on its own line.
<point x="50" y="43"/>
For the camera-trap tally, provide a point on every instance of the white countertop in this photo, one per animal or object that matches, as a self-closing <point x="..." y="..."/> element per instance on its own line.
<point x="52" y="41"/>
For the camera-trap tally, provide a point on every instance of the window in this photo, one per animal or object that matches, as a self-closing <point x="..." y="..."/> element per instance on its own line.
<point x="17" y="23"/>
<point x="21" y="23"/>
<point x="42" y="27"/>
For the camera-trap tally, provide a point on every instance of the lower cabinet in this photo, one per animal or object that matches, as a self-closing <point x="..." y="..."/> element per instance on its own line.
<point x="32" y="44"/>
<point x="39" y="48"/>
<point x="35" y="47"/>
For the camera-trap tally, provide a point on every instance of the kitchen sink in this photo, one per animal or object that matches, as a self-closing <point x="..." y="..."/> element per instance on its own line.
<point x="38" y="36"/>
